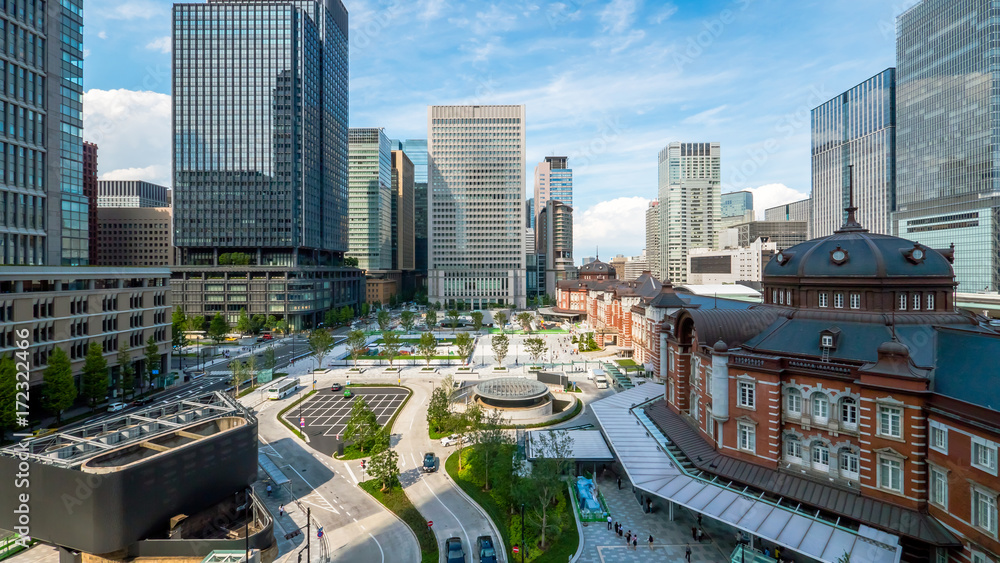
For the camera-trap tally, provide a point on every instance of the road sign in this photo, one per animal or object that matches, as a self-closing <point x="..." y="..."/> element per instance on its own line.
<point x="430" y="523"/>
<point x="156" y="372"/>
<point x="302" y="421"/>
<point x="516" y="549"/>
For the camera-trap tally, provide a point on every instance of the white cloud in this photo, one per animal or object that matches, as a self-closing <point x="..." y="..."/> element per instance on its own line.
<point x="161" y="44"/>
<point x="663" y="15"/>
<point x="102" y="34"/>
<point x="133" y="10"/>
<point x="617" y="226"/>
<point x="618" y="15"/>
<point x="153" y="173"/>
<point x="132" y="131"/>
<point x="432" y="9"/>
<point x="707" y="117"/>
<point x="494" y="20"/>
<point x="86" y="53"/>
<point x="772" y="195"/>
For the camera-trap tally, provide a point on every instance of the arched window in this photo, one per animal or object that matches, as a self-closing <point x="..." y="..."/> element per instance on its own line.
<point x="820" y="408"/>
<point x="849" y="412"/>
<point x="793" y="402"/>
<point x="850" y="464"/>
<point x="793" y="449"/>
<point x="820" y="456"/>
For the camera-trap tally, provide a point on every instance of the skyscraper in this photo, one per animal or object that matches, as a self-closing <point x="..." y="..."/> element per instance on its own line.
<point x="416" y="151"/>
<point x="795" y="211"/>
<point x="857" y="127"/>
<point x="553" y="180"/>
<point x="402" y="212"/>
<point x="653" y="238"/>
<point x="690" y="200"/>
<point x="90" y="184"/>
<point x="476" y="159"/>
<point x="736" y="204"/>
<point x="948" y="134"/>
<point x="554" y="241"/>
<point x="131" y="193"/>
<point x="260" y="106"/>
<point x="370" y="198"/>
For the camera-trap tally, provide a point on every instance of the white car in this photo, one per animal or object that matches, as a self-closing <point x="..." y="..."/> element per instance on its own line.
<point x="115" y="407"/>
<point x="452" y="440"/>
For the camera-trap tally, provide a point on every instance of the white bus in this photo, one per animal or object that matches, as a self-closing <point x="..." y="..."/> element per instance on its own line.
<point x="282" y="389"/>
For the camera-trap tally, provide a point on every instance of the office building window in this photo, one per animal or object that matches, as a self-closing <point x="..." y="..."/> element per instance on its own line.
<point x="820" y="408"/>
<point x="890" y="474"/>
<point x="890" y="421"/>
<point x="939" y="487"/>
<point x="984" y="509"/>
<point x="939" y="437"/>
<point x="855" y="301"/>
<point x="984" y="455"/>
<point x="746" y="396"/>
<point x="850" y="464"/>
<point x="747" y="436"/>
<point x="793" y="402"/>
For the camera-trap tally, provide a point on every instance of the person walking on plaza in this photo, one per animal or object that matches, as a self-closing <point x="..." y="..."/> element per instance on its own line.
<point x="609" y="521"/>
<point x="699" y="520"/>
<point x="777" y="554"/>
<point x="269" y="490"/>
<point x="694" y="533"/>
<point x="649" y="505"/>
<point x="687" y="554"/>
<point x="620" y="530"/>
<point x="701" y="535"/>
<point x="635" y="542"/>
<point x="628" y="537"/>
<point x="619" y="483"/>
<point x="651" y="542"/>
<point x="281" y="510"/>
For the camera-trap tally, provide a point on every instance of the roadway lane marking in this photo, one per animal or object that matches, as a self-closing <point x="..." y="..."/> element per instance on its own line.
<point x="379" y="546"/>
<point x="348" y="466"/>
<point x="464" y="531"/>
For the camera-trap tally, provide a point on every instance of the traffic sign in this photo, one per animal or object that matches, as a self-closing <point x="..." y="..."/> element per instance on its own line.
<point x="516" y="549"/>
<point x="302" y="421"/>
<point x="430" y="523"/>
<point x="156" y="372"/>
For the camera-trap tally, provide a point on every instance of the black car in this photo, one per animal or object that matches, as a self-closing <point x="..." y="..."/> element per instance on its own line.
<point x="453" y="546"/>
<point x="142" y="401"/>
<point x="430" y="462"/>
<point x="336" y="387"/>
<point x="487" y="554"/>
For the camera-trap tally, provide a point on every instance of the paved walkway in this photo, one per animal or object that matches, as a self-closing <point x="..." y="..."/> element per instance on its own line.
<point x="670" y="539"/>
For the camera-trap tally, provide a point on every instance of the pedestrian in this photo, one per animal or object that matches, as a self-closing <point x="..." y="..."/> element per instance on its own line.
<point x="767" y="552"/>
<point x="628" y="537"/>
<point x="609" y="522"/>
<point x="281" y="510"/>
<point x="649" y="505"/>
<point x="687" y="554"/>
<point x="269" y="490"/>
<point x="694" y="533"/>
<point x="621" y="529"/>
<point x="619" y="483"/>
<point x="699" y="520"/>
<point x="701" y="535"/>
<point x="650" y="542"/>
<point x="777" y="553"/>
<point x="635" y="542"/>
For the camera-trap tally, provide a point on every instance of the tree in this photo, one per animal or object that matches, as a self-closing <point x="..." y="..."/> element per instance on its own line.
<point x="524" y="319"/>
<point x="243" y="324"/>
<point x="351" y="262"/>
<point x="152" y="353"/>
<point x="218" y="328"/>
<point x="546" y="481"/>
<point x="448" y="384"/>
<point x="406" y="320"/>
<point x="94" y="382"/>
<point x="59" y="387"/>
<point x="196" y="323"/>
<point x="8" y="394"/>
<point x="438" y="409"/>
<point x="383" y="318"/>
<point x="257" y="323"/>
<point x="331" y="318"/>
<point x="392" y="301"/>
<point x="390" y="345"/>
<point x="501" y="320"/>
<point x="452" y="315"/>
<point x="500" y="346"/>
<point x="490" y="439"/>
<point x="126" y="371"/>
<point x="281" y="326"/>
<point x="269" y="361"/>
<point x="432" y="319"/>
<point x="357" y="344"/>
<point x="466" y="344"/>
<point x="240" y="374"/>
<point x="179" y="322"/>
<point x="320" y="344"/>
<point x="346" y="314"/>
<point x="470" y="420"/>
<point x="427" y="346"/>
<point x="362" y="426"/>
<point x="535" y="348"/>
<point x="477" y="320"/>
<point x="270" y="322"/>
<point x="251" y="367"/>
<point x="384" y="468"/>
<point x="365" y="309"/>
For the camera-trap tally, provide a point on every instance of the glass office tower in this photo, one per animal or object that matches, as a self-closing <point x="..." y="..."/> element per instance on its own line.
<point x="690" y="204"/>
<point x="416" y="151"/>
<point x="948" y="134"/>
<point x="856" y="128"/>
<point x="370" y="196"/>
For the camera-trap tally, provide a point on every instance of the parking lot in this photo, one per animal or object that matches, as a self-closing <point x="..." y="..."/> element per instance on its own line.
<point x="326" y="413"/>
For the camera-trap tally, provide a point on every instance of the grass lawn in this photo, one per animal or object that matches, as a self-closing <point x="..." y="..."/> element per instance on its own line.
<point x="396" y="501"/>
<point x="436" y="435"/>
<point x="625" y="363"/>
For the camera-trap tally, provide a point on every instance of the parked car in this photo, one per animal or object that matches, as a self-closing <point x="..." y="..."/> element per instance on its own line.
<point x="336" y="387"/>
<point x="487" y="554"/>
<point x="453" y="546"/>
<point x="452" y="440"/>
<point x="430" y="462"/>
<point x="115" y="407"/>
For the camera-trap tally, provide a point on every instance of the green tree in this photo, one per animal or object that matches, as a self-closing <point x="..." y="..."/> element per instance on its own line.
<point x="477" y="320"/>
<point x="251" y="367"/>
<point x="179" y="322"/>
<point x="365" y="309"/>
<point x="390" y="345"/>
<point x="362" y="426"/>
<point x="240" y="375"/>
<point x="452" y="315"/>
<point x="270" y="322"/>
<point x="357" y="344"/>
<point x="524" y="319"/>
<point x="126" y="370"/>
<point x="94" y="382"/>
<point x="406" y="320"/>
<point x="470" y="420"/>
<point x="427" y="346"/>
<point x="501" y="320"/>
<point x="438" y="409"/>
<point x="384" y="467"/>
<point x="546" y="481"/>
<point x="59" y="390"/>
<point x="218" y="328"/>
<point x="281" y="326"/>
<point x="383" y="318"/>
<point x="535" y="347"/>
<point x="501" y="344"/>
<point x="346" y="314"/>
<point x="8" y="394"/>
<point x="392" y="301"/>
<point x="257" y="323"/>
<point x="491" y="437"/>
<point x="152" y="353"/>
<point x="331" y="318"/>
<point x="270" y="360"/>
<point x="466" y="344"/>
<point x="351" y="262"/>
<point x="320" y="344"/>
<point x="432" y="319"/>
<point x="243" y="324"/>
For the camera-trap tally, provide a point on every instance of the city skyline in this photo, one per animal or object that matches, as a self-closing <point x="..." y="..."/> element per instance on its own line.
<point x="610" y="129"/>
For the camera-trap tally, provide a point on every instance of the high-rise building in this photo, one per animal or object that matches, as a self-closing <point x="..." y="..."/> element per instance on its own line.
<point x="587" y="260"/>
<point x="90" y="191"/>
<point x="370" y="197"/>
<point x="131" y="193"/>
<point x="736" y="204"/>
<point x="260" y="114"/>
<point x="689" y="181"/>
<point x="653" y="239"/>
<point x="948" y="135"/>
<point x="402" y="212"/>
<point x="416" y="151"/>
<point x="554" y="241"/>
<point x="476" y="160"/>
<point x="785" y="234"/>
<point x="133" y="236"/>
<point x="635" y="266"/>
<point x="618" y="263"/>
<point x="731" y="265"/>
<point x="529" y="219"/>
<point x="553" y="180"/>
<point x="796" y="211"/>
<point x="856" y="130"/>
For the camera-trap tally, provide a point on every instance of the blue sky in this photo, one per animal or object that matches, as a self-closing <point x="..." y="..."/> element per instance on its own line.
<point x="606" y="82"/>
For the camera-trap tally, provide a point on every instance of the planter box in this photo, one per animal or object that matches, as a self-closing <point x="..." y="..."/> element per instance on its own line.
<point x="464" y="369"/>
<point x="428" y="369"/>
<point x="391" y="370"/>
<point x="500" y="369"/>
<point x="356" y="370"/>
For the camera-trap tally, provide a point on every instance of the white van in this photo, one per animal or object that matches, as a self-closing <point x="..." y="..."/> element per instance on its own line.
<point x="601" y="382"/>
<point x="593" y="373"/>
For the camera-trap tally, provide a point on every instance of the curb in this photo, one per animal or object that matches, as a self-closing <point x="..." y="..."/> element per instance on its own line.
<point x="579" y="526"/>
<point x="482" y="512"/>
<point x="398" y="519"/>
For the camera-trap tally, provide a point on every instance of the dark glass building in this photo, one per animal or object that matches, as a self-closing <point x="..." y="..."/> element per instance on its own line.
<point x="260" y="109"/>
<point x="416" y="151"/>
<point x="948" y="134"/>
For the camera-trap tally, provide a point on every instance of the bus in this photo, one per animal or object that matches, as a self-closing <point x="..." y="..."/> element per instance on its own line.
<point x="282" y="389"/>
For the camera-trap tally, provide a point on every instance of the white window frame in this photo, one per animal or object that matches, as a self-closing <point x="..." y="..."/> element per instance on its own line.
<point x="855" y="301"/>
<point x="930" y="302"/>
<point x="939" y="430"/>
<point x="818" y="451"/>
<point x="788" y="298"/>
<point x="816" y="400"/>
<point x="886" y="415"/>
<point x="838" y="300"/>
<point x="917" y="297"/>
<point x="938" y="490"/>
<point x="887" y="465"/>
<point x="978" y="557"/>
<point x="746" y="437"/>
<point x="848" y="405"/>
<point x="796" y="445"/>
<point x="903" y="299"/>
<point x="846" y="458"/>
<point x="984" y="520"/>
<point x="746" y="394"/>
<point x="823" y="299"/>
<point x="826" y="341"/>
<point x="981" y="447"/>
<point x="793" y="402"/>
<point x="781" y="297"/>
